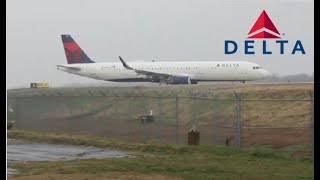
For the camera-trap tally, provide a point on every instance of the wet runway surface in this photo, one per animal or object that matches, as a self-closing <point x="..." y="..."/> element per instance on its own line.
<point x="20" y="151"/>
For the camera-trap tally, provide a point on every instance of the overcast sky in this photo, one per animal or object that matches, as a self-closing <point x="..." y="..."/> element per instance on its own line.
<point x="160" y="30"/>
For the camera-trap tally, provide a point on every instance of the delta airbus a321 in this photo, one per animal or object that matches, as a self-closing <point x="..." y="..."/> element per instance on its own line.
<point x="173" y="72"/>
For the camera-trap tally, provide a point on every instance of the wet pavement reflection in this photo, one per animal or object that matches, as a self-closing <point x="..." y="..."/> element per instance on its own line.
<point x="20" y="151"/>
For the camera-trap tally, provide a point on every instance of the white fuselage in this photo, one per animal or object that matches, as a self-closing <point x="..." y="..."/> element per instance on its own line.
<point x="196" y="70"/>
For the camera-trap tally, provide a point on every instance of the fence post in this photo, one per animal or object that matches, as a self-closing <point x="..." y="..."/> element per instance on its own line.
<point x="159" y="119"/>
<point x="238" y="119"/>
<point x="194" y="110"/>
<point x="70" y="110"/>
<point x="194" y="120"/>
<point x="145" y="105"/>
<point x="312" y="123"/>
<point x="104" y="111"/>
<point x="214" y="119"/>
<point x="130" y="109"/>
<point x="17" y="112"/>
<point x="177" y="120"/>
<point x="115" y="103"/>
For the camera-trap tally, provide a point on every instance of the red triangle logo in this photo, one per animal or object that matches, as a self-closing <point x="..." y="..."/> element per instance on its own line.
<point x="264" y="22"/>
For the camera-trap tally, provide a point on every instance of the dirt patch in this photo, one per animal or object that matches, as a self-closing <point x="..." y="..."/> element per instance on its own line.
<point x="302" y="153"/>
<point x="278" y="137"/>
<point x="111" y="176"/>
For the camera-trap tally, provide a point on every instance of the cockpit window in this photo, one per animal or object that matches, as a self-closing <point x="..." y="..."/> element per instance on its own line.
<point x="257" y="67"/>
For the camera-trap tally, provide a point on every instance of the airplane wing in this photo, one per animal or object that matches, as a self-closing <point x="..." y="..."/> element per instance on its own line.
<point x="150" y="74"/>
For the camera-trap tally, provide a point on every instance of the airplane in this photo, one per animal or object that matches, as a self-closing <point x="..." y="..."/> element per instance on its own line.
<point x="168" y="72"/>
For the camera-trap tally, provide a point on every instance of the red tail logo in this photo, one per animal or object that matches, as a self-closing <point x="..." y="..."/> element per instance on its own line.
<point x="262" y="26"/>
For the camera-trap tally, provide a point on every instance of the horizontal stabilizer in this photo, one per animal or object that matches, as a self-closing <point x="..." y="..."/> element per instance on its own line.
<point x="70" y="68"/>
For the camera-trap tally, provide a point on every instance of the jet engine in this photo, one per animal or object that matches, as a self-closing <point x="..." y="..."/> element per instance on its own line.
<point x="179" y="80"/>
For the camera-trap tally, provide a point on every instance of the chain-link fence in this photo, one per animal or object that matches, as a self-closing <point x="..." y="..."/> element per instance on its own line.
<point x="236" y="119"/>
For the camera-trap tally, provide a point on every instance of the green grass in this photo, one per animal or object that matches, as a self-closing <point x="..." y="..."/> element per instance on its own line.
<point x="182" y="161"/>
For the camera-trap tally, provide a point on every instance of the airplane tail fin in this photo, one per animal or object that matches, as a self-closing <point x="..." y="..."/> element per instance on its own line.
<point x="73" y="51"/>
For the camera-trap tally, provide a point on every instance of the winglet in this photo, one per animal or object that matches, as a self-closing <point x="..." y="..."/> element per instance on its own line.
<point x="125" y="64"/>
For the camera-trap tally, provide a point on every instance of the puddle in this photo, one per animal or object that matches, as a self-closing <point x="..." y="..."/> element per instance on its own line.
<point x="20" y="151"/>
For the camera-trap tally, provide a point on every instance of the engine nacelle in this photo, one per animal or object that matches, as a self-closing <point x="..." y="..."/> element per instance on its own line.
<point x="179" y="80"/>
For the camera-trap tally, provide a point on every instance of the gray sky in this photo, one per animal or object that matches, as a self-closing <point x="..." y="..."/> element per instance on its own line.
<point x="161" y="30"/>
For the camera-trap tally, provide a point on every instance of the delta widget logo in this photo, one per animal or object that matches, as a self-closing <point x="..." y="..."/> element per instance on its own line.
<point x="263" y="29"/>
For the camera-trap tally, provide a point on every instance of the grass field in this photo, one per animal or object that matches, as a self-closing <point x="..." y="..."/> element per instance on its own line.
<point x="163" y="161"/>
